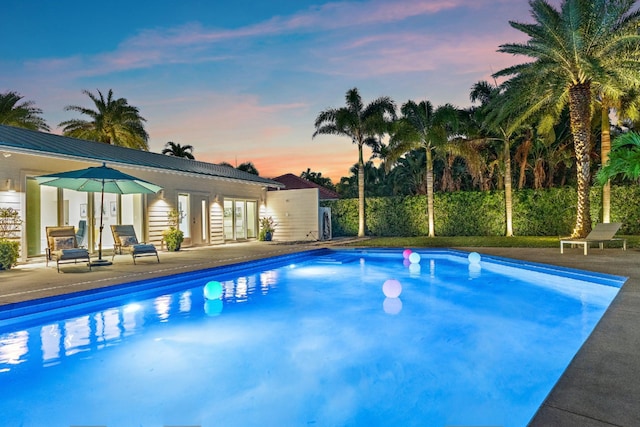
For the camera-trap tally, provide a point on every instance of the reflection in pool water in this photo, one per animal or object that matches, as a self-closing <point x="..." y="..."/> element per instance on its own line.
<point x="308" y="340"/>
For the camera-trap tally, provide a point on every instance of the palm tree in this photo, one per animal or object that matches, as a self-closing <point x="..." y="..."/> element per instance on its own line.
<point x="20" y="114"/>
<point x="113" y="122"/>
<point x="574" y="50"/>
<point x="248" y="167"/>
<point x="317" y="178"/>
<point x="624" y="159"/>
<point x="177" y="150"/>
<point x="422" y="127"/>
<point x="362" y="124"/>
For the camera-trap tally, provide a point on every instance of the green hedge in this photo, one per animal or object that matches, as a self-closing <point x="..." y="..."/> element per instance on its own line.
<point x="548" y="212"/>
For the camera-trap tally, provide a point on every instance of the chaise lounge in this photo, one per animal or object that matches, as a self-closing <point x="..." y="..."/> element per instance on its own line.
<point x="62" y="246"/>
<point x="600" y="234"/>
<point x="125" y="239"/>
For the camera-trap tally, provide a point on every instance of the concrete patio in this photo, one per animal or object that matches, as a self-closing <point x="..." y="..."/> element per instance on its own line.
<point x="599" y="388"/>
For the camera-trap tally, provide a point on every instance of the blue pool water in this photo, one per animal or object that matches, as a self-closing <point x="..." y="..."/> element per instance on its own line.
<point x="303" y="340"/>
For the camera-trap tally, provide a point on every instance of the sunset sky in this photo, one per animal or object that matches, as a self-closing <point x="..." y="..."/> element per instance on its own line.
<point x="243" y="80"/>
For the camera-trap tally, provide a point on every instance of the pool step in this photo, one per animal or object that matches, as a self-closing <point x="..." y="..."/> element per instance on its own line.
<point x="334" y="259"/>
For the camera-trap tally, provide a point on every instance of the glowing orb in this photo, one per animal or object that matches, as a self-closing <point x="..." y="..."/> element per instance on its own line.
<point x="406" y="253"/>
<point x="391" y="288"/>
<point x="213" y="307"/>
<point x="414" y="258"/>
<point x="474" y="257"/>
<point x="392" y="306"/>
<point x="213" y="290"/>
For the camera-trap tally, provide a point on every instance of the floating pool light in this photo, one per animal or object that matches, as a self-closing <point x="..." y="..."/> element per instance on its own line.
<point x="414" y="258"/>
<point x="474" y="257"/>
<point x="406" y="253"/>
<point x="213" y="290"/>
<point x="391" y="288"/>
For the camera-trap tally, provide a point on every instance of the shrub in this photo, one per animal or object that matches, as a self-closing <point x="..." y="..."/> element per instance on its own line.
<point x="9" y="252"/>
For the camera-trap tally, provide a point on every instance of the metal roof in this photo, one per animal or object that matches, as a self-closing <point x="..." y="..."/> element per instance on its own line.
<point x="13" y="139"/>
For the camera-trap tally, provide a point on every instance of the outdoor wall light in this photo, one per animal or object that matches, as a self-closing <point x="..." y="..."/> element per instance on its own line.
<point x="161" y="194"/>
<point x="8" y="185"/>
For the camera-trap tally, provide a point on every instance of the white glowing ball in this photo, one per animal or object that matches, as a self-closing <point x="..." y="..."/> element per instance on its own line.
<point x="414" y="258"/>
<point x="392" y="306"/>
<point x="406" y="253"/>
<point x="213" y="290"/>
<point x="391" y="288"/>
<point x="474" y="257"/>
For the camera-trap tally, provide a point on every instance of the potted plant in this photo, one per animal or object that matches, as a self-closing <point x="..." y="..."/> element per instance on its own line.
<point x="9" y="247"/>
<point x="267" y="228"/>
<point x="173" y="236"/>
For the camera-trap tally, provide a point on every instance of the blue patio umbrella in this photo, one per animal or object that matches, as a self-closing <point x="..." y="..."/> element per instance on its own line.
<point x="99" y="179"/>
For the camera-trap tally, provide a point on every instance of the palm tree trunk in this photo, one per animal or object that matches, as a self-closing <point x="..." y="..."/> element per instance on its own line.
<point x="430" y="214"/>
<point x="605" y="147"/>
<point x="361" y="222"/>
<point x="508" y="201"/>
<point x="580" y="118"/>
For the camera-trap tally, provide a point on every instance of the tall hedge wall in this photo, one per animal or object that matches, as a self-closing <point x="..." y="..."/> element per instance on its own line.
<point x="549" y="212"/>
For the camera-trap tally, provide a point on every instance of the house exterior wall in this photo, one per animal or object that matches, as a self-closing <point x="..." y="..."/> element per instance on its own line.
<point x="295" y="213"/>
<point x="19" y="166"/>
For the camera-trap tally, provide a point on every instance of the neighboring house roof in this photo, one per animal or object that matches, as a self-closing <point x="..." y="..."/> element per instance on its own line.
<point x="293" y="182"/>
<point x="13" y="139"/>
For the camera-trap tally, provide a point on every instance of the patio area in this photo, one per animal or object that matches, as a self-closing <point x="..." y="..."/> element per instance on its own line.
<point x="599" y="388"/>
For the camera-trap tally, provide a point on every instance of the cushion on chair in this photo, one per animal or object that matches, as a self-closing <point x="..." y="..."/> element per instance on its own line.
<point x="71" y="254"/>
<point x="128" y="240"/>
<point x="140" y="249"/>
<point x="60" y="243"/>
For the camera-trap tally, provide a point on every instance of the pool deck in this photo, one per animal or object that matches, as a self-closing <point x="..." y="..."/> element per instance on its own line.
<point x="601" y="386"/>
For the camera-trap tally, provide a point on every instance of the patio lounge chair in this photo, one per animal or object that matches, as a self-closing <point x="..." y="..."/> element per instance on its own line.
<point x="62" y="246"/>
<point x="600" y="234"/>
<point x="124" y="238"/>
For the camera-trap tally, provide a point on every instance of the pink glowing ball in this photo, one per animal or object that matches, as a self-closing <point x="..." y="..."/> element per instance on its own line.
<point x="406" y="253"/>
<point x="392" y="288"/>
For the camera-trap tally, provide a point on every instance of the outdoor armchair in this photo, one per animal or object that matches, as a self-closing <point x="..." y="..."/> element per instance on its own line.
<point x="125" y="240"/>
<point x="62" y="246"/>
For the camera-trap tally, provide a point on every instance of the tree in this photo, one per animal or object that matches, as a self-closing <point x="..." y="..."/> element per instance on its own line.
<point x="113" y="122"/>
<point x="422" y="127"/>
<point x="177" y="150"/>
<point x="317" y="178"/>
<point x="248" y="167"/>
<point x="624" y="159"/>
<point x="363" y="124"/>
<point x="20" y="114"/>
<point x="573" y="50"/>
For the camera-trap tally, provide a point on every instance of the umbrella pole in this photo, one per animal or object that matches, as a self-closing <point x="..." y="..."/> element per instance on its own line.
<point x="101" y="261"/>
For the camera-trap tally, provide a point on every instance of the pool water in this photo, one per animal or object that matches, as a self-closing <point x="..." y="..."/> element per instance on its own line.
<point x="304" y="340"/>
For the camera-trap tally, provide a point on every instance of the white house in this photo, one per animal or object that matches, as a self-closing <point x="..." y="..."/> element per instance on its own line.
<point x="218" y="204"/>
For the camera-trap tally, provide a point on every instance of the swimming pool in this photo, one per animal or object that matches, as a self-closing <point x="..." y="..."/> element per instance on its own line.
<point x="306" y="339"/>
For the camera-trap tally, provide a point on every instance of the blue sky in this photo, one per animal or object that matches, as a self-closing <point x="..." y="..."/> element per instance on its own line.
<point x="244" y="80"/>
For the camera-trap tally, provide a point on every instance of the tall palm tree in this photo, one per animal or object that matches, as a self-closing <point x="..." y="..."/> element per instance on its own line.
<point x="113" y="122"/>
<point x="423" y="127"/>
<point x="573" y="50"/>
<point x="363" y="124"/>
<point x="20" y="114"/>
<point x="177" y="150"/>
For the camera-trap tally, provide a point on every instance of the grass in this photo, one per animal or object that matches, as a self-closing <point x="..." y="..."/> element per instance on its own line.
<point x="477" y="241"/>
